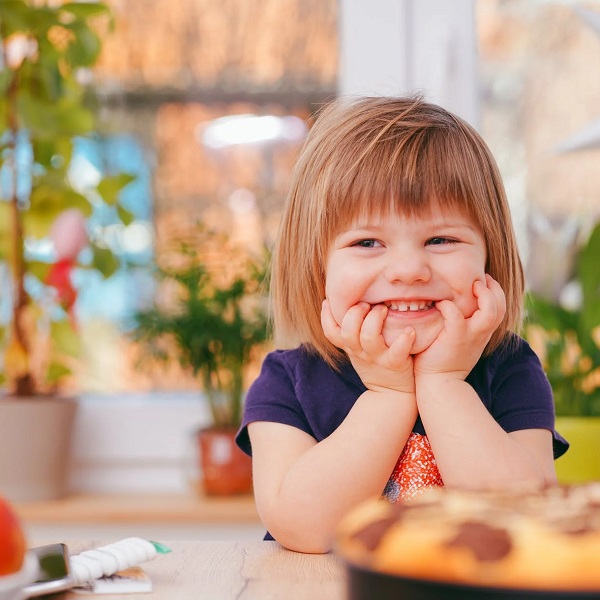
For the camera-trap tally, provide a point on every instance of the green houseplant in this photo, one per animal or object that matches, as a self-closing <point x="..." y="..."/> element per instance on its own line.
<point x="215" y="325"/>
<point x="44" y="109"/>
<point x="567" y="339"/>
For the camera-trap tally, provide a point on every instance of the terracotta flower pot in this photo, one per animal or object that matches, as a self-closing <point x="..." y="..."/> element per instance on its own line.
<point x="226" y="470"/>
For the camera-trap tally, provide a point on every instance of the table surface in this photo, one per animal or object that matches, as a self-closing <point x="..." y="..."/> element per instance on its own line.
<point x="241" y="570"/>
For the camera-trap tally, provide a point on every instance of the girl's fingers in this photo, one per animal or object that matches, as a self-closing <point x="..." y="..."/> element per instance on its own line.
<point x="330" y="327"/>
<point x="361" y="334"/>
<point x="347" y="334"/>
<point x="499" y="295"/>
<point x="371" y="337"/>
<point x="492" y="304"/>
<point x="454" y="320"/>
<point x="352" y="324"/>
<point x="401" y="346"/>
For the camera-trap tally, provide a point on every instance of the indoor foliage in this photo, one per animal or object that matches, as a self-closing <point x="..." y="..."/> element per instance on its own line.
<point x="47" y="51"/>
<point x="214" y="321"/>
<point x="571" y="336"/>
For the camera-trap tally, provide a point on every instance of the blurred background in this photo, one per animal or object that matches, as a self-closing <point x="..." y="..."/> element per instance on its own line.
<point x="172" y="71"/>
<point x="207" y="102"/>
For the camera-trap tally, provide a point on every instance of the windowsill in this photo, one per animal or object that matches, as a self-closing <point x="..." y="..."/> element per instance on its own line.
<point x="140" y="508"/>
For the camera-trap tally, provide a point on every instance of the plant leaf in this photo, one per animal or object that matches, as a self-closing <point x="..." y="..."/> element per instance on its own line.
<point x="85" y="10"/>
<point x="126" y="216"/>
<point x="110" y="187"/>
<point x="14" y="16"/>
<point x="56" y="371"/>
<point x="104" y="261"/>
<point x="65" y="338"/>
<point x="48" y="200"/>
<point x="38" y="269"/>
<point x="83" y="51"/>
<point x="548" y="315"/>
<point x="588" y="271"/>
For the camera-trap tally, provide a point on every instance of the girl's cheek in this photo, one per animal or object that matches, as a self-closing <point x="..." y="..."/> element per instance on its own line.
<point x="337" y="310"/>
<point x="341" y="298"/>
<point x="332" y="299"/>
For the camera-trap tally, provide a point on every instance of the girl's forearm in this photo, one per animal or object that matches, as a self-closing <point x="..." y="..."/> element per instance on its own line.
<point x="471" y="448"/>
<point x="351" y="465"/>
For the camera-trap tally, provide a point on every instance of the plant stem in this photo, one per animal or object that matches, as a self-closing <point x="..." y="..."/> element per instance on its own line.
<point x="24" y="383"/>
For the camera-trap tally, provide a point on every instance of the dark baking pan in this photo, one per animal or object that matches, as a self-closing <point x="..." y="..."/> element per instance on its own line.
<point x="363" y="584"/>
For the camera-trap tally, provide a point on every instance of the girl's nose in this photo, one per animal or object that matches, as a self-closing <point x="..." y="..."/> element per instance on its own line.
<point x="407" y="268"/>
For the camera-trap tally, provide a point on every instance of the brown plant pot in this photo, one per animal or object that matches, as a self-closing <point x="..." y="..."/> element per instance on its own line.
<point x="35" y="447"/>
<point x="225" y="469"/>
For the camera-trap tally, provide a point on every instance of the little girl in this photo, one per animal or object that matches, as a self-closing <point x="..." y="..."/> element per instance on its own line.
<point x="397" y="286"/>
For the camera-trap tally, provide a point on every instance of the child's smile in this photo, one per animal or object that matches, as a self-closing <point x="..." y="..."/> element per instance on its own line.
<point x="407" y="264"/>
<point x="409" y="306"/>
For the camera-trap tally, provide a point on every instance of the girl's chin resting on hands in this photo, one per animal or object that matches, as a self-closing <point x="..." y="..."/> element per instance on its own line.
<point x="427" y="328"/>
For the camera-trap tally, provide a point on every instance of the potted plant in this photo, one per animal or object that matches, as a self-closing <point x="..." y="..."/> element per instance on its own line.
<point x="567" y="338"/>
<point x="43" y="229"/>
<point x="214" y="323"/>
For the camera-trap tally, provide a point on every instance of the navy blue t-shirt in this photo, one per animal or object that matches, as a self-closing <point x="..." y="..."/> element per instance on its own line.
<point x="296" y="387"/>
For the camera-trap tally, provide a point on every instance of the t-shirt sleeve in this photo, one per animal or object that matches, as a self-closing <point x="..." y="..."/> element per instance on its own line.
<point x="272" y="397"/>
<point x="523" y="396"/>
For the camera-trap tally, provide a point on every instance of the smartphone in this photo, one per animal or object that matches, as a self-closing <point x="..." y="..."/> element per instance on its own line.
<point x="54" y="573"/>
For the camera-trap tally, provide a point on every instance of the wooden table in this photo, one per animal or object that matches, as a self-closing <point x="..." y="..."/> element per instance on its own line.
<point x="235" y="570"/>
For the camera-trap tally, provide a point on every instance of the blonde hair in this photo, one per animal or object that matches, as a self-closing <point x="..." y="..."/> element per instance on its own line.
<point x="385" y="154"/>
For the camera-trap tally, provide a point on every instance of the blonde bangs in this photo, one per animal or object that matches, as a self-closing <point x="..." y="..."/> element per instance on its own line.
<point x="409" y="178"/>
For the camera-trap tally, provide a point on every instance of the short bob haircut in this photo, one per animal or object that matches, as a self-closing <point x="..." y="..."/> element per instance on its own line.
<point x="384" y="155"/>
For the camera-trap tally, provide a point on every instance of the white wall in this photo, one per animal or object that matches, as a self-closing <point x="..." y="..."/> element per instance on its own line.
<point x="395" y="47"/>
<point x="137" y="443"/>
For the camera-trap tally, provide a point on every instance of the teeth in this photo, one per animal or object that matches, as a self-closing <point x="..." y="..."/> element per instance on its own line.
<point x="410" y="306"/>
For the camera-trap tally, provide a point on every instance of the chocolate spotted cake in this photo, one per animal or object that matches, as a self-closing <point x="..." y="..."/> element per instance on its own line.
<point x="544" y="544"/>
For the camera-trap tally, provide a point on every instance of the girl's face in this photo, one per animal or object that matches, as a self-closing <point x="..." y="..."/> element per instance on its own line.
<point x="408" y="264"/>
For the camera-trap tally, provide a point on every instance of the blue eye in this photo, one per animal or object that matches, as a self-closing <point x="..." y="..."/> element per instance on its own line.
<point x="438" y="241"/>
<point x="366" y="243"/>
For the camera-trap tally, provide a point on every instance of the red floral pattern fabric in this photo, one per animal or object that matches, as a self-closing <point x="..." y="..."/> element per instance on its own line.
<point x="415" y="470"/>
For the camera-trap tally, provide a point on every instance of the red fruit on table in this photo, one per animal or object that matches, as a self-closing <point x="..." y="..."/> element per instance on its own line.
<point x="12" y="540"/>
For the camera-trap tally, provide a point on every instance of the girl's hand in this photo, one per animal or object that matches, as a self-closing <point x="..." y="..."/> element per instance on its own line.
<point x="380" y="367"/>
<point x="462" y="341"/>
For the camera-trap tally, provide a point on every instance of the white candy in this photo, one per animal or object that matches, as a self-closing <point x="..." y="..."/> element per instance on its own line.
<point x="118" y="555"/>
<point x="109" y="563"/>
<point x="107" y="560"/>
<point x="80" y="573"/>
<point x="90" y="568"/>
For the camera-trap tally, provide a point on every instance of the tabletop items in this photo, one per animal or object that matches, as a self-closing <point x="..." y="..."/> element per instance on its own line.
<point x="112" y="558"/>
<point x="115" y="565"/>
<point x="445" y="546"/>
<point x="224" y="570"/>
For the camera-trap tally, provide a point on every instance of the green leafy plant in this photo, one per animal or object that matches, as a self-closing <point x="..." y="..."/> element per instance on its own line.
<point x="214" y="322"/>
<point x="45" y="48"/>
<point x="569" y="337"/>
